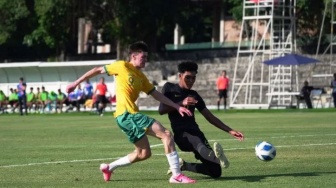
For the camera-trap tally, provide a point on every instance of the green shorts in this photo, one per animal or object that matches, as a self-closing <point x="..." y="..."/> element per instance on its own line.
<point x="134" y="125"/>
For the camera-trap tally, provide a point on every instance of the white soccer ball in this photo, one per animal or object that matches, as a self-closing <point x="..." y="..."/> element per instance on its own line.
<point x="265" y="151"/>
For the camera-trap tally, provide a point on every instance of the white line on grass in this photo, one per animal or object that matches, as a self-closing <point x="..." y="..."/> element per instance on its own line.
<point x="288" y="146"/>
<point x="56" y="162"/>
<point x="103" y="159"/>
<point x="292" y="136"/>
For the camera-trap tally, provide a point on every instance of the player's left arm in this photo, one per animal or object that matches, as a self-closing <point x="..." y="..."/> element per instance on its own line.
<point x="221" y="125"/>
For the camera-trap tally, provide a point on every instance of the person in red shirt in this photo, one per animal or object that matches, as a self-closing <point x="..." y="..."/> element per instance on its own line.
<point x="101" y="99"/>
<point x="222" y="88"/>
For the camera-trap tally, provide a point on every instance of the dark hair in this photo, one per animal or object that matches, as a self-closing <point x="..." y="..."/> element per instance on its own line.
<point x="21" y="79"/>
<point x="187" y="66"/>
<point x="139" y="46"/>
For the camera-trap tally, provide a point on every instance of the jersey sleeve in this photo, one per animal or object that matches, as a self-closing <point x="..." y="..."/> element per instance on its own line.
<point x="113" y="68"/>
<point x="166" y="90"/>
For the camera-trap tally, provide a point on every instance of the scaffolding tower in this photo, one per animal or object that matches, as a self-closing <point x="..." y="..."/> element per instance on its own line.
<point x="267" y="32"/>
<point x="332" y="41"/>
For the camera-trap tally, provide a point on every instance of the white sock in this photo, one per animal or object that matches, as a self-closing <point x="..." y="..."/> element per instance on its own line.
<point x="173" y="160"/>
<point x="124" y="161"/>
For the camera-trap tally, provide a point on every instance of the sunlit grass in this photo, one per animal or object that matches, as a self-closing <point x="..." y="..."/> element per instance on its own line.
<point x="65" y="150"/>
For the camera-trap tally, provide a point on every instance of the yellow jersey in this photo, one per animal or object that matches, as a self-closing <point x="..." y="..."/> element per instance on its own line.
<point x="129" y="83"/>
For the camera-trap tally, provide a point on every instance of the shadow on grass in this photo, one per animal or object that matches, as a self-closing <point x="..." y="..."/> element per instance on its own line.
<point x="261" y="177"/>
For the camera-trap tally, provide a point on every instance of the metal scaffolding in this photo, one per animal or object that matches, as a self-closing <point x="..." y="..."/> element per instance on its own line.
<point x="268" y="28"/>
<point x="332" y="37"/>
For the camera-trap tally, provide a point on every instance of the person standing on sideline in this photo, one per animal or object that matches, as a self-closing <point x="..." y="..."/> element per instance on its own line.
<point x="187" y="133"/>
<point x="21" y="88"/>
<point x="333" y="86"/>
<point x="130" y="81"/>
<point x="100" y="93"/>
<point x="222" y="89"/>
<point x="88" y="90"/>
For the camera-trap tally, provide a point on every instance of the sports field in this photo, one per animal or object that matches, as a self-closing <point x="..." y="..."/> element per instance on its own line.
<point x="65" y="150"/>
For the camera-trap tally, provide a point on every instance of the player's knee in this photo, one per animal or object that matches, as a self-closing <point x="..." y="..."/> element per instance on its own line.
<point x="147" y="154"/>
<point x="168" y="136"/>
<point x="168" y="133"/>
<point x="216" y="171"/>
<point x="144" y="154"/>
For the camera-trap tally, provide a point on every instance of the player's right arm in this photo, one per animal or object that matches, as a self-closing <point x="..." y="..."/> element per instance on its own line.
<point x="163" y="108"/>
<point x="163" y="99"/>
<point x="188" y="101"/>
<point x="89" y="74"/>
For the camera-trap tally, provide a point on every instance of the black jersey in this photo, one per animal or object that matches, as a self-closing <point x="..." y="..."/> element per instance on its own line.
<point x="175" y="93"/>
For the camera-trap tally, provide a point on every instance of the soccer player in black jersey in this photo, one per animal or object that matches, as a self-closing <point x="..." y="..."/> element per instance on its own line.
<point x="187" y="134"/>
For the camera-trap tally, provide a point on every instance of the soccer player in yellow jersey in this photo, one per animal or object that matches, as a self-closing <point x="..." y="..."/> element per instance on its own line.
<point x="130" y="81"/>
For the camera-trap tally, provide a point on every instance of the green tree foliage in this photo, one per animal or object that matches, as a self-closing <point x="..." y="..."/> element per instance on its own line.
<point x="12" y="12"/>
<point x="55" y="25"/>
<point x="52" y="24"/>
<point x="125" y="21"/>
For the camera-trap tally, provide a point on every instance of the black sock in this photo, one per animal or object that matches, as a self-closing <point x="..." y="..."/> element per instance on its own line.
<point x="206" y="153"/>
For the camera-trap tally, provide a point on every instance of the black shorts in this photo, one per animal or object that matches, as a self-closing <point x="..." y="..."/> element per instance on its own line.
<point x="102" y="99"/>
<point x="222" y="93"/>
<point x="187" y="140"/>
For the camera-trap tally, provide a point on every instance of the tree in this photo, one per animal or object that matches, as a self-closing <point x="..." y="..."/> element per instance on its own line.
<point x="125" y="21"/>
<point x="18" y="20"/>
<point x="55" y="25"/>
<point x="12" y="12"/>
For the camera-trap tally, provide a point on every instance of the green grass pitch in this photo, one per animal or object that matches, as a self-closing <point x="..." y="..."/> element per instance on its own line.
<point x="65" y="150"/>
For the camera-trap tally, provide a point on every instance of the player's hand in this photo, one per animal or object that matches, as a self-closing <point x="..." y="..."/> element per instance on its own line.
<point x="237" y="135"/>
<point x="71" y="87"/>
<point x="183" y="111"/>
<point x="189" y="101"/>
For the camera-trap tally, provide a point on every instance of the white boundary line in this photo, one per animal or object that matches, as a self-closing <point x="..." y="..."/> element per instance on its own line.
<point x="103" y="159"/>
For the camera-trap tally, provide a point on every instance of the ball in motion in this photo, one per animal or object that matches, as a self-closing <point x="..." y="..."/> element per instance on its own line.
<point x="265" y="151"/>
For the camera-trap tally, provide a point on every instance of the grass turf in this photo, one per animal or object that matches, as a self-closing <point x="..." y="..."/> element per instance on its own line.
<point x="65" y="150"/>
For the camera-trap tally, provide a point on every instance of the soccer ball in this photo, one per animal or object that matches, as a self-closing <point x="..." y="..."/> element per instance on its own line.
<point x="265" y="151"/>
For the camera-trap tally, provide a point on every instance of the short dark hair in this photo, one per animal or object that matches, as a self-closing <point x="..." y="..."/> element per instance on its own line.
<point x="139" y="46"/>
<point x="187" y="66"/>
<point x="21" y="79"/>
